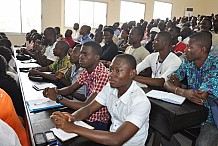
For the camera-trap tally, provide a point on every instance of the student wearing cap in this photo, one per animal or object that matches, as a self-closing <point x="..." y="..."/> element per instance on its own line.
<point x="153" y="32"/>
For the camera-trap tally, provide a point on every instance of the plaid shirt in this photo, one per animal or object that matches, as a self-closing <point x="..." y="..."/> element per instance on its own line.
<point x="94" y="83"/>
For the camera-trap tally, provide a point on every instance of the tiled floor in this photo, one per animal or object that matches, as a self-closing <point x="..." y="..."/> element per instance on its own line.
<point x="182" y="140"/>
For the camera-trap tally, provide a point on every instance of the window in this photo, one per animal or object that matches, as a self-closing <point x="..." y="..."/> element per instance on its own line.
<point x="20" y="16"/>
<point x="162" y="10"/>
<point x="131" y="11"/>
<point x="85" y="13"/>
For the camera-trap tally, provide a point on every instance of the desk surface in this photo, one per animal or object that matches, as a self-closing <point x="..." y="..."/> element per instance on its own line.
<point x="168" y="118"/>
<point x="165" y="118"/>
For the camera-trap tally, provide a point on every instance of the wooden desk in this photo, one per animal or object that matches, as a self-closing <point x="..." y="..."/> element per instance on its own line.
<point x="166" y="118"/>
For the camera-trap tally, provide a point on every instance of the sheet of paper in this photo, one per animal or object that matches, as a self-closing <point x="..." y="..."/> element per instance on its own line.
<point x="64" y="136"/>
<point x="166" y="96"/>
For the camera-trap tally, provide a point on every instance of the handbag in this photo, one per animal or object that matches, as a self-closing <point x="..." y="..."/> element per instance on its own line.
<point x="214" y="109"/>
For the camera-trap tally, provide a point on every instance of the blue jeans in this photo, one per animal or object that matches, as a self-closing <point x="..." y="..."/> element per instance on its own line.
<point x="208" y="136"/>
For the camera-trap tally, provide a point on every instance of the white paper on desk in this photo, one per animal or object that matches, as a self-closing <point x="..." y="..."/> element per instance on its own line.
<point x="43" y="86"/>
<point x="64" y="136"/>
<point x="166" y="96"/>
<point x="27" y="65"/>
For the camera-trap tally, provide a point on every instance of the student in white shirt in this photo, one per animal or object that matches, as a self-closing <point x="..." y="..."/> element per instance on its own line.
<point x="163" y="62"/>
<point x="126" y="102"/>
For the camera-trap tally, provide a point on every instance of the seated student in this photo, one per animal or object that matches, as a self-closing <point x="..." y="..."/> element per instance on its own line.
<point x="201" y="70"/>
<point x="123" y="42"/>
<point x="162" y="63"/>
<point x="8" y="135"/>
<point x="136" y="49"/>
<point x="10" y="86"/>
<point x="178" y="47"/>
<point x="9" y="116"/>
<point x="59" y="67"/>
<point x="99" y="37"/>
<point x="73" y="73"/>
<point x="44" y="56"/>
<point x="152" y="34"/>
<point x="76" y="35"/>
<point x="110" y="49"/>
<point x="85" y="31"/>
<point x="68" y="38"/>
<point x="94" y="77"/>
<point x="6" y="53"/>
<point x="59" y="36"/>
<point x="127" y="104"/>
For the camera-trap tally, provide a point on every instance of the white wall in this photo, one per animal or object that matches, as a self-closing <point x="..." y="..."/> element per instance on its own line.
<point x="53" y="12"/>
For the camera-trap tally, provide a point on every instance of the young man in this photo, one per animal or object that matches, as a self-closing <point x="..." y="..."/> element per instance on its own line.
<point x="136" y="49"/>
<point x="201" y="70"/>
<point x="59" y="67"/>
<point x="44" y="56"/>
<point x="127" y="104"/>
<point x="177" y="47"/>
<point x="84" y="32"/>
<point x="94" y="77"/>
<point x="162" y="63"/>
<point x="73" y="73"/>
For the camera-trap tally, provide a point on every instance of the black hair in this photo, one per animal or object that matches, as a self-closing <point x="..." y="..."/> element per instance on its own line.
<point x="177" y="29"/>
<point x="139" y="30"/>
<point x="96" y="47"/>
<point x="57" y="29"/>
<point x="3" y="34"/>
<point x="6" y="53"/>
<point x="50" y="31"/>
<point x="33" y="31"/>
<point x="64" y="45"/>
<point x="109" y="29"/>
<point x="68" y="33"/>
<point x="128" y="59"/>
<point x="6" y="43"/>
<point x="3" y="66"/>
<point x="202" y="39"/>
<point x="167" y="37"/>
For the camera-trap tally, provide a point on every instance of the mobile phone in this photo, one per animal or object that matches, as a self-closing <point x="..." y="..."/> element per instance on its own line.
<point x="49" y="136"/>
<point x="40" y="139"/>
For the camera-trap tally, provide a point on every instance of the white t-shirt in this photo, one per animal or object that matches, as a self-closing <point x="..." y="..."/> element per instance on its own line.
<point x="49" y="52"/>
<point x="8" y="137"/>
<point x="139" y="53"/>
<point x="133" y="106"/>
<point x="160" y="70"/>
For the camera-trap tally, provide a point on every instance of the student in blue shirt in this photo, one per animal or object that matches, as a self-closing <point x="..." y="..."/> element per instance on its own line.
<point x="201" y="69"/>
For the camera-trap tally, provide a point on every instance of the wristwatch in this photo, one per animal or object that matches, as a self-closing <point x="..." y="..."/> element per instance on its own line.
<point x="59" y="98"/>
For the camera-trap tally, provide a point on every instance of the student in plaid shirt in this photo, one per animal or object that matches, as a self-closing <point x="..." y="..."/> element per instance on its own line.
<point x="94" y="76"/>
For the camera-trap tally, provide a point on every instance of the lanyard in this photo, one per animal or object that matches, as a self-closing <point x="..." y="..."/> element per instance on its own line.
<point x="158" y="67"/>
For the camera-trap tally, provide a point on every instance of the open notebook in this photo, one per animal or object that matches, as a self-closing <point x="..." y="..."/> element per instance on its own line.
<point x="166" y="96"/>
<point x="64" y="136"/>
